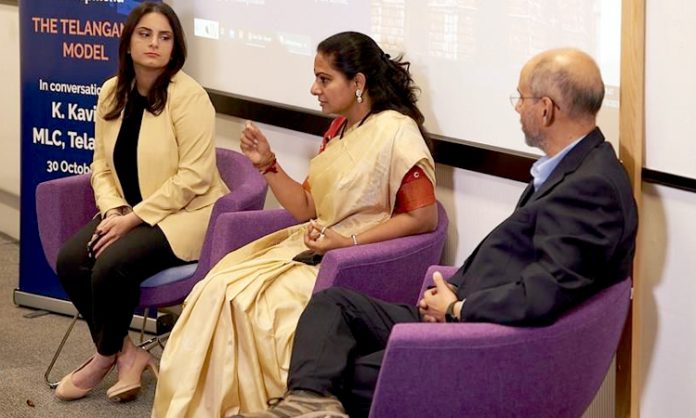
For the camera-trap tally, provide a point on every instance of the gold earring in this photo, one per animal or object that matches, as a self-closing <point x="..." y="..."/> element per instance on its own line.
<point x="358" y="95"/>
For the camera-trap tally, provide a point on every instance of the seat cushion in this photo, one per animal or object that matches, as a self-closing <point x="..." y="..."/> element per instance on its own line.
<point x="170" y="275"/>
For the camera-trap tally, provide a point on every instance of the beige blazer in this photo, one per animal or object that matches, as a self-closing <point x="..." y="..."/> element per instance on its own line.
<point x="177" y="174"/>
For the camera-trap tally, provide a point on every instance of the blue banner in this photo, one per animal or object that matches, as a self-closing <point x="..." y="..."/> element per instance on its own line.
<point x="68" y="49"/>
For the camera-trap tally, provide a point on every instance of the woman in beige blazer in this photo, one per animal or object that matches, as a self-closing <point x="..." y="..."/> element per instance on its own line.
<point x="155" y="181"/>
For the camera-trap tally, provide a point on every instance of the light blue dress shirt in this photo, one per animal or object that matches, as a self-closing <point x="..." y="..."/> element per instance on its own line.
<point x="544" y="166"/>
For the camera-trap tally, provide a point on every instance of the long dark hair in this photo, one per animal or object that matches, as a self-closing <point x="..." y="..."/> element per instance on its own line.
<point x="388" y="80"/>
<point x="157" y="97"/>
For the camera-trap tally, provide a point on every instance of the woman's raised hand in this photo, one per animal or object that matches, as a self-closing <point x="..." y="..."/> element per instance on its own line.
<point x="255" y="145"/>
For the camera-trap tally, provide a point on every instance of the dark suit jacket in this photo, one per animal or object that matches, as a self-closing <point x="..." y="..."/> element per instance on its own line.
<point x="563" y="243"/>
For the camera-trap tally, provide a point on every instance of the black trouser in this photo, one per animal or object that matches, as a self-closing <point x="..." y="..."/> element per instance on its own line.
<point x="107" y="291"/>
<point x="339" y="345"/>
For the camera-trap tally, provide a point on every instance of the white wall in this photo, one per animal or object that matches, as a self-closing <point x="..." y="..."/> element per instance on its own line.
<point x="668" y="228"/>
<point x="9" y="121"/>
<point x="668" y="295"/>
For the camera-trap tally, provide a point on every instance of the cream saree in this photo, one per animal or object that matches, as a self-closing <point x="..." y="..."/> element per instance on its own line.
<point x="230" y="349"/>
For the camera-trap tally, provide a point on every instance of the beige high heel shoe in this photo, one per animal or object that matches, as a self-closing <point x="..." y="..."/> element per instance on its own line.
<point x="128" y="385"/>
<point x="66" y="389"/>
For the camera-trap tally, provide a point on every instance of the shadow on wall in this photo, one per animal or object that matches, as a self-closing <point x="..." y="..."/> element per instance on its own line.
<point x="445" y="194"/>
<point x="654" y="239"/>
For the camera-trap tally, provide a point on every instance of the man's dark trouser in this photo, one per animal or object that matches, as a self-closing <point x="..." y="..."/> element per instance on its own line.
<point x="339" y="345"/>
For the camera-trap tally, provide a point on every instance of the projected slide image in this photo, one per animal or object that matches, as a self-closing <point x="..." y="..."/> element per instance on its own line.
<point x="465" y="54"/>
<point x="272" y="23"/>
<point x="205" y="28"/>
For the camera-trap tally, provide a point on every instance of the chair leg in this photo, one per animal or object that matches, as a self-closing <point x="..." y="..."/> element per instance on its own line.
<point x="160" y="339"/>
<point x="154" y="342"/>
<point x="53" y="385"/>
<point x="142" y="329"/>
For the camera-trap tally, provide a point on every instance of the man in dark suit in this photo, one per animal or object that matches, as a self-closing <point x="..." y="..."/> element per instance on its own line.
<point x="571" y="235"/>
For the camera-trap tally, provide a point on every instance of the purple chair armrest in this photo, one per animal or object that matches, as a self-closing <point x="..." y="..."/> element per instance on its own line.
<point x="235" y="229"/>
<point x="63" y="206"/>
<point x="454" y="366"/>
<point x="447" y="272"/>
<point x="390" y="270"/>
<point x="243" y="198"/>
<point x="247" y="192"/>
<point x="477" y="370"/>
<point x="247" y="187"/>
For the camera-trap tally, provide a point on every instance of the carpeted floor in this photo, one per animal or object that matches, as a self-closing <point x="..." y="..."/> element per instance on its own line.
<point x="26" y="348"/>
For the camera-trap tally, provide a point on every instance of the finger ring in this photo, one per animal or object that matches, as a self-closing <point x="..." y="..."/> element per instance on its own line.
<point x="322" y="231"/>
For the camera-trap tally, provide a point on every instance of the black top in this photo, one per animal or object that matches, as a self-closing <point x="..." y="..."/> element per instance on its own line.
<point x="126" y="148"/>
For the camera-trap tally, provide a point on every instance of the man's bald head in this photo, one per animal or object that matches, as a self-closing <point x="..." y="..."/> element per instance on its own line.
<point x="570" y="77"/>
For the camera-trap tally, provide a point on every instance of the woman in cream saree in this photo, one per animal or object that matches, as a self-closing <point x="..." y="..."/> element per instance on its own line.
<point x="230" y="349"/>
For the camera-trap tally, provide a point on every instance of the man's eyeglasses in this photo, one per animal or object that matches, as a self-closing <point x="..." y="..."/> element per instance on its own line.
<point x="515" y="100"/>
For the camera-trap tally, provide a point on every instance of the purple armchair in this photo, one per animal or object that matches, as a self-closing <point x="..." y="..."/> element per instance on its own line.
<point x="488" y="370"/>
<point x="391" y="270"/>
<point x="64" y="205"/>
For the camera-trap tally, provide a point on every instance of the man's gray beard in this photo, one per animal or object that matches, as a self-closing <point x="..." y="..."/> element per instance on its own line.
<point x="535" y="141"/>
